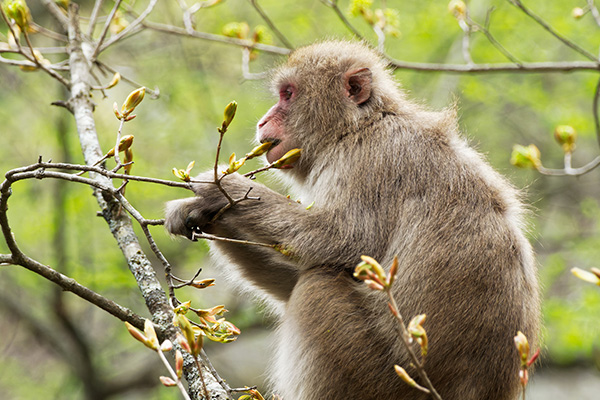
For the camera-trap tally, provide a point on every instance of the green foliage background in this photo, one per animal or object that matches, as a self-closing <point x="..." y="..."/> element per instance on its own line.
<point x="196" y="80"/>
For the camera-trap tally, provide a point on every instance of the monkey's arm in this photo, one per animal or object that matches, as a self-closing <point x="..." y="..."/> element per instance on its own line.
<point x="309" y="237"/>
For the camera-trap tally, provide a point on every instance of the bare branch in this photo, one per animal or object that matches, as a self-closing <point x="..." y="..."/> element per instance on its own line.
<point x="137" y="23"/>
<point x="333" y="5"/>
<point x="57" y="12"/>
<point x="216" y="38"/>
<point x="595" y="110"/>
<point x="552" y="31"/>
<point x="271" y="25"/>
<point x="485" y="29"/>
<point x="94" y="17"/>
<point x="536" y="67"/>
<point x="594" y="11"/>
<point x="567" y="171"/>
<point x="105" y="30"/>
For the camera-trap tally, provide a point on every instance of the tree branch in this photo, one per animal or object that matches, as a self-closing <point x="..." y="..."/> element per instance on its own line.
<point x="552" y="31"/>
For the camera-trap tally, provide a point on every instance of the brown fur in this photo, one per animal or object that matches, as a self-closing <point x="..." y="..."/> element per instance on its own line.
<point x="388" y="178"/>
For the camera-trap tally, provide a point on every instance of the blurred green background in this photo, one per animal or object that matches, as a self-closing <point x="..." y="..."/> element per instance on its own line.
<point x="56" y="223"/>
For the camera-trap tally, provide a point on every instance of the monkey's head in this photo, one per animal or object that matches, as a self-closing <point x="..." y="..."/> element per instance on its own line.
<point x="326" y="91"/>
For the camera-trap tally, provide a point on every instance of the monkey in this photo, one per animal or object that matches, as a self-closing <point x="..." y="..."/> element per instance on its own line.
<point x="389" y="178"/>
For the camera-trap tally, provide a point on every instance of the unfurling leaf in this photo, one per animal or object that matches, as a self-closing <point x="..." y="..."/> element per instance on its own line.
<point x="526" y="157"/>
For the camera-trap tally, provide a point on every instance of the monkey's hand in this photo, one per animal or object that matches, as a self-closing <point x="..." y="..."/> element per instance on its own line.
<point x="186" y="216"/>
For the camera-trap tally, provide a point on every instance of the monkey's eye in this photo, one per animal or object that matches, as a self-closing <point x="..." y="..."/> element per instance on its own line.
<point x="286" y="92"/>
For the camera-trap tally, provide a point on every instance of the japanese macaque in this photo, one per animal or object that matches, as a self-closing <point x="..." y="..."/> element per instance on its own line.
<point x="388" y="178"/>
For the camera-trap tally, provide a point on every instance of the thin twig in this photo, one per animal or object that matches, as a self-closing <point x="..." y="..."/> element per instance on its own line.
<point x="404" y="335"/>
<point x="466" y="41"/>
<point x="215" y="38"/>
<point x="137" y="23"/>
<point x="595" y="111"/>
<point x="197" y="235"/>
<point x="246" y="67"/>
<point x="153" y="93"/>
<point x="333" y="5"/>
<point x="48" y="33"/>
<point x="534" y="67"/>
<point x="571" y="171"/>
<point x="594" y="11"/>
<point x="552" y="31"/>
<point x="173" y="374"/>
<point x="485" y="29"/>
<point x="105" y="30"/>
<point x="271" y="25"/>
<point x="212" y="369"/>
<point x="94" y="17"/>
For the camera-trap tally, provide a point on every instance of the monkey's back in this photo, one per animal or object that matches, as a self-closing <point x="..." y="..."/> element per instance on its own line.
<point x="456" y="227"/>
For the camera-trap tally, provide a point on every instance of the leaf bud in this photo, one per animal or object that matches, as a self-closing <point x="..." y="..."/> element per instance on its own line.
<point x="204" y="283"/>
<point x="137" y="335"/>
<point x="238" y="30"/>
<point x="288" y="158"/>
<point x="186" y="327"/>
<point x="116" y="79"/>
<point x="229" y="113"/>
<point x="168" y="382"/>
<point x="404" y="376"/>
<point x="132" y="101"/>
<point x="592" y="277"/>
<point x="151" y="335"/>
<point x="259" y="150"/>
<point x="116" y="111"/>
<point x="124" y="144"/>
<point x="566" y="136"/>
<point x="18" y="11"/>
<point x="522" y="346"/>
<point x="458" y="8"/>
<point x="178" y="363"/>
<point x="578" y="12"/>
<point x="526" y="157"/>
<point x="167" y="345"/>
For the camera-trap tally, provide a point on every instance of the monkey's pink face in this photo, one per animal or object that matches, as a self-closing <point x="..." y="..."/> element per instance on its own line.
<point x="271" y="127"/>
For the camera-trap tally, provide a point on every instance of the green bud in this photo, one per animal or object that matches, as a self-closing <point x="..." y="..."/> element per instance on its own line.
<point x="566" y="136"/>
<point x="404" y="376"/>
<point x="229" y="114"/>
<point x="288" y="158"/>
<point x="238" y="30"/>
<point x="18" y="11"/>
<point x="259" y="150"/>
<point x="133" y="100"/>
<point x="526" y="157"/>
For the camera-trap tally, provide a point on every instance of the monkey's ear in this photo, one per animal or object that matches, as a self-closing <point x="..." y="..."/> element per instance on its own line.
<point x="358" y="84"/>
